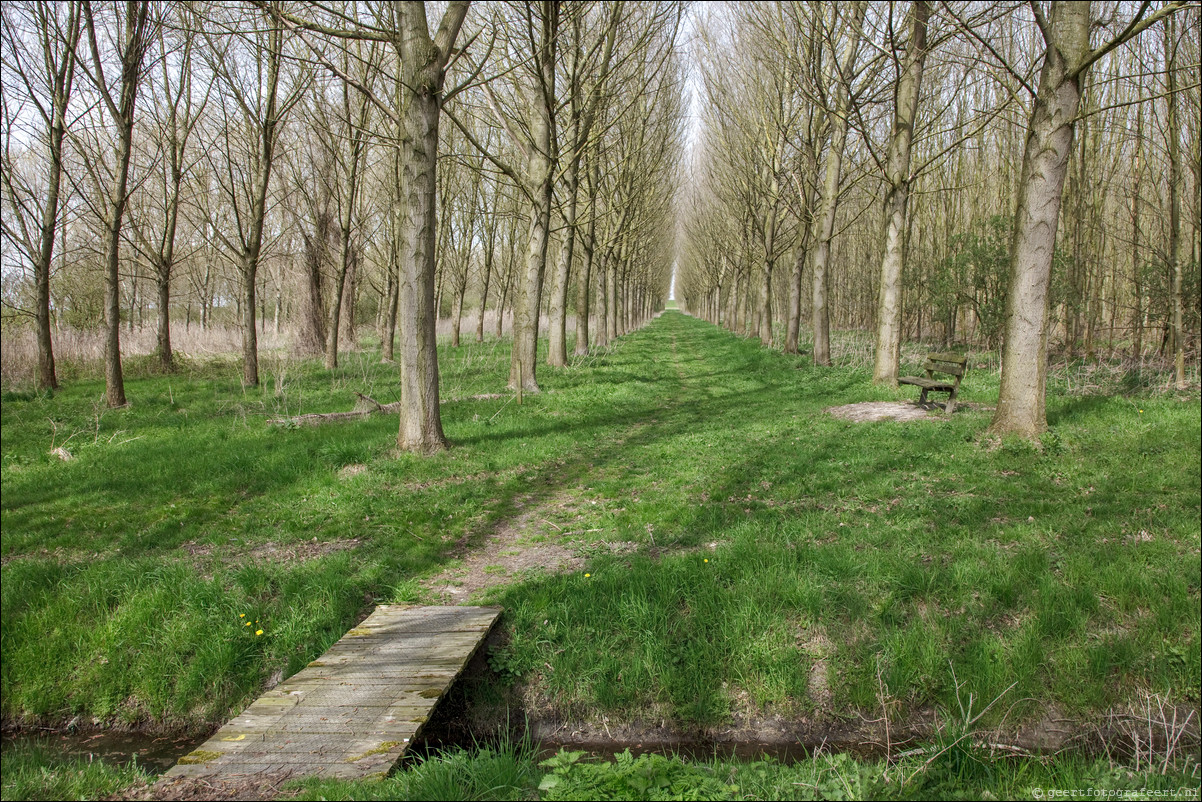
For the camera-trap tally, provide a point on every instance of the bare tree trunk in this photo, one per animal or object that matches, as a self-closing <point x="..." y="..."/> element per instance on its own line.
<point x="250" y="336"/>
<point x="611" y="298"/>
<point x="765" y="310"/>
<point x="311" y="335"/>
<point x="583" y="285"/>
<point x="277" y="311"/>
<point x="1176" y="258"/>
<point x="134" y="42"/>
<point x="825" y="218"/>
<point x="61" y="74"/>
<point x="1021" y="402"/>
<point x="793" y="317"/>
<point x="489" y="253"/>
<point x="424" y="62"/>
<point x="528" y="307"/>
<point x="511" y="248"/>
<point x="163" y="335"/>
<point x="335" y="322"/>
<point x="457" y="305"/>
<point x="539" y="177"/>
<point x="420" y="421"/>
<point x="602" y="338"/>
<point x="897" y="218"/>
<point x="390" y="304"/>
<point x="557" y="352"/>
<point x="589" y="243"/>
<point x="1137" y="318"/>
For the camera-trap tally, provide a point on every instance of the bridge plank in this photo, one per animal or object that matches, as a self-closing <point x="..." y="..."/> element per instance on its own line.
<point x="353" y="711"/>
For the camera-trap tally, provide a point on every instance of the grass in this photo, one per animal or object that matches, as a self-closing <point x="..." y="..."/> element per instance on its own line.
<point x="747" y="553"/>
<point x="34" y="772"/>
<point x="966" y="773"/>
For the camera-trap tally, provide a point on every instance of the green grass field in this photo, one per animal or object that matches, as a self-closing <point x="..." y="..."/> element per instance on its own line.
<point x="736" y="551"/>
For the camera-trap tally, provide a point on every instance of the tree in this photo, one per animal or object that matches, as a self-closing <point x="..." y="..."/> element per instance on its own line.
<point x="177" y="109"/>
<point x="1176" y="257"/>
<point x="45" y="79"/>
<point x="1050" y="129"/>
<point x="824" y="219"/>
<point x="253" y="104"/>
<point x="583" y="101"/>
<point x="897" y="198"/>
<point x="133" y="32"/>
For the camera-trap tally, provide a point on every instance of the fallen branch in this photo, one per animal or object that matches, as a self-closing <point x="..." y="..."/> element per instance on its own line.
<point x="366" y="406"/>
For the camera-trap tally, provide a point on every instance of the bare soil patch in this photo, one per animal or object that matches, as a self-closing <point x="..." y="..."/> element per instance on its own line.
<point x="527" y="542"/>
<point x="349" y="471"/>
<point x="247" y="786"/>
<point x="204" y="554"/>
<point x="882" y="410"/>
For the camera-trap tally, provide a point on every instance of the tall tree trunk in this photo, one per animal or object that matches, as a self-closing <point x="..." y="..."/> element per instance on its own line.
<point x="824" y="220"/>
<point x="489" y="252"/>
<point x="423" y="61"/>
<point x="611" y="291"/>
<point x="1137" y="317"/>
<point x="135" y="41"/>
<point x="602" y="337"/>
<point x="457" y="306"/>
<point x="1176" y="257"/>
<point x="529" y="294"/>
<point x="335" y="322"/>
<point x="390" y="309"/>
<point x="420" y="423"/>
<point x="62" y="78"/>
<point x="765" y="310"/>
<point x="540" y="171"/>
<point x="897" y="218"/>
<point x="506" y="285"/>
<point x="252" y="243"/>
<point x="1021" y="401"/>
<point x="557" y="352"/>
<point x="163" y="335"/>
<point x="250" y="336"/>
<point x="583" y="285"/>
<point x="311" y="334"/>
<point x="589" y="243"/>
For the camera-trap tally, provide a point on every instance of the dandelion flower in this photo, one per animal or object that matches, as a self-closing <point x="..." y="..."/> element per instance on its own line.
<point x="258" y="632"/>
<point x="707" y="559"/>
<point x="247" y="623"/>
<point x="242" y="615"/>
<point x="586" y="576"/>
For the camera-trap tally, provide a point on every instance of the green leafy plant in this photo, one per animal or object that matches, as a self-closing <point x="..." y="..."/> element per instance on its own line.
<point x="627" y="777"/>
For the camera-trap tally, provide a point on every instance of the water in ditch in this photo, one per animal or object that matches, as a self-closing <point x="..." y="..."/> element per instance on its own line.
<point x="152" y="753"/>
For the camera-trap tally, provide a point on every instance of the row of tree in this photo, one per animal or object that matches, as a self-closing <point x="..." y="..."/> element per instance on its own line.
<point x="347" y="158"/>
<point x="997" y="173"/>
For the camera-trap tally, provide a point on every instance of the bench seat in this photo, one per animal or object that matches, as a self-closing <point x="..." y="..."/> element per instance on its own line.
<point x="950" y="365"/>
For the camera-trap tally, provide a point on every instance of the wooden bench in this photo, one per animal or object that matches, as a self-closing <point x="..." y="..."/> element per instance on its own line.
<point x="951" y="365"/>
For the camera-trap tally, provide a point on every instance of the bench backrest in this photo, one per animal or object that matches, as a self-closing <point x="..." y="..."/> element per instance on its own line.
<point x="950" y="364"/>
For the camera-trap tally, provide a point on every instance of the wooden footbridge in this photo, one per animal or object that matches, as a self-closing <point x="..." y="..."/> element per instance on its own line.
<point x="355" y="710"/>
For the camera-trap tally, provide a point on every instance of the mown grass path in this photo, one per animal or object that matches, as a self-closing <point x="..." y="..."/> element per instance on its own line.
<point x="722" y="547"/>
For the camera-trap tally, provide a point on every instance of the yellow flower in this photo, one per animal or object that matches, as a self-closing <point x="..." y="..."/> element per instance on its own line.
<point x="247" y="623"/>
<point x="707" y="559"/>
<point x="586" y="576"/>
<point x="258" y="632"/>
<point x="242" y="615"/>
